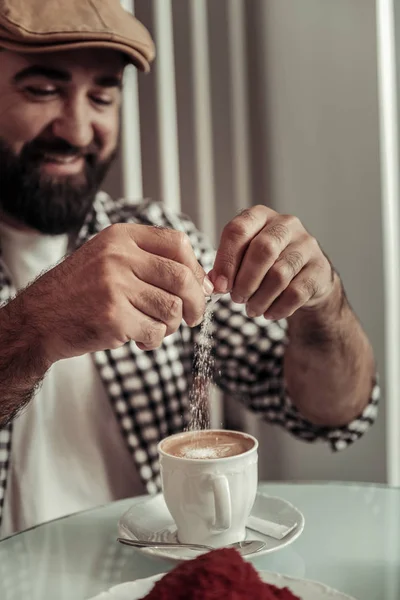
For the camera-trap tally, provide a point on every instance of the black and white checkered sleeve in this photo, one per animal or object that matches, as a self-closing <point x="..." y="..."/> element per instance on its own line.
<point x="249" y="365"/>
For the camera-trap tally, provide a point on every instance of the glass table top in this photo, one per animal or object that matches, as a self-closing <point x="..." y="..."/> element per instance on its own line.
<point x="351" y="542"/>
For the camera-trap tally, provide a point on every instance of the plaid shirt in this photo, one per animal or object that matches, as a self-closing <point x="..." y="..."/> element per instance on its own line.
<point x="149" y="390"/>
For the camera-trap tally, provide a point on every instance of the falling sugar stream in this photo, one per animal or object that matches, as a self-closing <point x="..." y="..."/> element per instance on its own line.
<point x="203" y="373"/>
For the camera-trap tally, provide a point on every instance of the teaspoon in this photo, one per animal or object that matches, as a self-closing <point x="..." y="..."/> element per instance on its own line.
<point x="244" y="548"/>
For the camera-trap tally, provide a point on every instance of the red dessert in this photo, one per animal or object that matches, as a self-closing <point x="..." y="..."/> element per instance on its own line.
<point x="218" y="575"/>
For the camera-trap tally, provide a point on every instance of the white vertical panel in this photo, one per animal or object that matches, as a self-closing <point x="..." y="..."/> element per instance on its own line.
<point x="131" y="150"/>
<point x="166" y="104"/>
<point x="240" y="112"/>
<point x="391" y="225"/>
<point x="203" y="118"/>
<point x="203" y="139"/>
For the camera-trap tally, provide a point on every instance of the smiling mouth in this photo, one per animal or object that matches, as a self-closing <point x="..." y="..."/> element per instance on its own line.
<point x="62" y="165"/>
<point x="61" y="159"/>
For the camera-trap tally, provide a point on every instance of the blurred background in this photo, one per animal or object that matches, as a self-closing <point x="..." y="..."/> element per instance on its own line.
<point x="289" y="104"/>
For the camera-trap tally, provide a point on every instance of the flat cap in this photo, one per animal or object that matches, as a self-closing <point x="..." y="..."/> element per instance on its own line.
<point x="40" y="26"/>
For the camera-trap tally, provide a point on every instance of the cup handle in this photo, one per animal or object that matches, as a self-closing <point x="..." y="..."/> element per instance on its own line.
<point x="222" y="503"/>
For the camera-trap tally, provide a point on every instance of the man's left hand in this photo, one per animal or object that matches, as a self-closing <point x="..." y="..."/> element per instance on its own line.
<point x="269" y="262"/>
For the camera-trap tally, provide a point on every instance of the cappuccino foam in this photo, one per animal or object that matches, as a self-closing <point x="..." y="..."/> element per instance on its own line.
<point x="206" y="445"/>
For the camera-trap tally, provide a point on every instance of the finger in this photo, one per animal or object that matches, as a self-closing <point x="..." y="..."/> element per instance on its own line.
<point x="142" y="346"/>
<point x="167" y="243"/>
<point x="145" y="330"/>
<point x="126" y="323"/>
<point x="283" y="271"/>
<point x="158" y="304"/>
<point x="300" y="291"/>
<point x="172" y="277"/>
<point x="263" y="251"/>
<point x="235" y="239"/>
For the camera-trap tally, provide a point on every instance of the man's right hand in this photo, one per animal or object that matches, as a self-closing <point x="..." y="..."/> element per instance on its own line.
<point x="129" y="282"/>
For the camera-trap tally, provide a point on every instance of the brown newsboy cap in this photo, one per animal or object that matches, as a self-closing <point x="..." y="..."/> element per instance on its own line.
<point x="40" y="26"/>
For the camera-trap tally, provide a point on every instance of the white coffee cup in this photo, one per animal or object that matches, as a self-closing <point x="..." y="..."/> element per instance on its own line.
<point x="209" y="495"/>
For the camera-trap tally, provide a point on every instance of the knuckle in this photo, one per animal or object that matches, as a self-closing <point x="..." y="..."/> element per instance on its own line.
<point x="152" y="301"/>
<point x="247" y="213"/>
<point x="310" y="287"/>
<point x="161" y="267"/>
<point x="291" y="221"/>
<point x="279" y="274"/>
<point x="183" y="242"/>
<point x="266" y="247"/>
<point x="278" y="231"/>
<point x="261" y="207"/>
<point x="115" y="231"/>
<point x="172" y="327"/>
<point x="164" y="306"/>
<point x="174" y="306"/>
<point x="108" y="257"/>
<point x="237" y="228"/>
<point x="113" y="326"/>
<point x="159" y="230"/>
<point x="294" y="261"/>
<point x="105" y="278"/>
<point x="314" y="244"/>
<point x="296" y="295"/>
<point x="110" y="313"/>
<point x="153" y="334"/>
<point x="181" y="276"/>
<point x="301" y="293"/>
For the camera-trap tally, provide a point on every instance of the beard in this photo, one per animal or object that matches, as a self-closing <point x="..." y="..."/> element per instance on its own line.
<point x="50" y="204"/>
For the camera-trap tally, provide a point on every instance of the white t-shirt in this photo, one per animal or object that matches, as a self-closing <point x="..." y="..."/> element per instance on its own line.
<point x="67" y="451"/>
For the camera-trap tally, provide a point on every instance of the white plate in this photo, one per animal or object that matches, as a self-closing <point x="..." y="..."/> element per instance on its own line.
<point x="306" y="590"/>
<point x="151" y="521"/>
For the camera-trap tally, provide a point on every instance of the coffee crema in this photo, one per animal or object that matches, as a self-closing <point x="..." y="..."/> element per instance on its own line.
<point x="203" y="445"/>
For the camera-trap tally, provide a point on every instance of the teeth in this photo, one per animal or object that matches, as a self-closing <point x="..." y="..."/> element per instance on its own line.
<point x="65" y="160"/>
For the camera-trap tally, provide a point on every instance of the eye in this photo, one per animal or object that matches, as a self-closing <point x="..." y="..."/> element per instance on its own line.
<point x="103" y="100"/>
<point x="41" y="92"/>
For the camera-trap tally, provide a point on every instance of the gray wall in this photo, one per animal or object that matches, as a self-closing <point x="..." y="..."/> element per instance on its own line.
<point x="319" y="94"/>
<point x="313" y="121"/>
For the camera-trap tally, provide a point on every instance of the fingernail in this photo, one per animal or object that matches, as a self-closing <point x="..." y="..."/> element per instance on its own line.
<point x="207" y="286"/>
<point x="238" y="299"/>
<point x="143" y="347"/>
<point x="269" y="314"/>
<point x="197" y="323"/>
<point x="221" y="284"/>
<point x="250" y="312"/>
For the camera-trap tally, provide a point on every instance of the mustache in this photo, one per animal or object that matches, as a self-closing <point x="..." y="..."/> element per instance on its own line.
<point x="36" y="149"/>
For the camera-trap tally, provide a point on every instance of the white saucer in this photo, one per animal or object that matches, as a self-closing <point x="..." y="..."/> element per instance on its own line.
<point x="305" y="589"/>
<point x="151" y="521"/>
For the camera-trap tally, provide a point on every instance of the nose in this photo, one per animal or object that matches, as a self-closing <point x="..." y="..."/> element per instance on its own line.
<point x="74" y="124"/>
